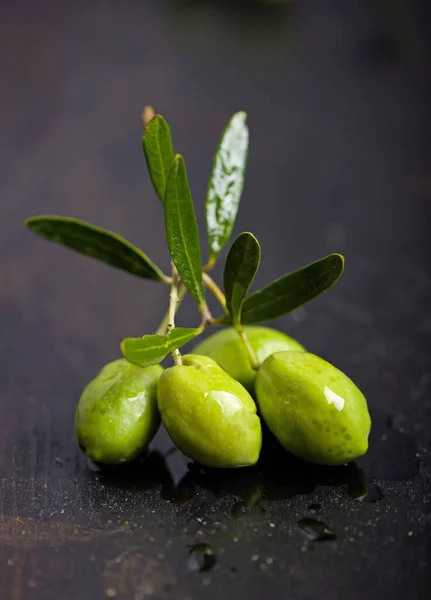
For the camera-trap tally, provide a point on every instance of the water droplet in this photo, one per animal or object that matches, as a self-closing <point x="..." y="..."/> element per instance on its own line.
<point x="238" y="510"/>
<point x="201" y="558"/>
<point x="316" y="531"/>
<point x="363" y="489"/>
<point x="373" y="493"/>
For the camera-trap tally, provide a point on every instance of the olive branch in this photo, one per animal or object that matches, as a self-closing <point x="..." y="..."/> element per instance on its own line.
<point x="169" y="178"/>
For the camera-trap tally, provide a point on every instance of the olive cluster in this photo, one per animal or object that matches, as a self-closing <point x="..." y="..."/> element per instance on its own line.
<point x="208" y="404"/>
<point x="212" y="402"/>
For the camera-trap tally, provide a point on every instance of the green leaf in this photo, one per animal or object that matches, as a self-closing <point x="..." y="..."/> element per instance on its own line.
<point x="226" y="183"/>
<point x="241" y="266"/>
<point x="97" y="243"/>
<point x="159" y="153"/>
<point x="291" y="291"/>
<point x="152" y="349"/>
<point x="182" y="230"/>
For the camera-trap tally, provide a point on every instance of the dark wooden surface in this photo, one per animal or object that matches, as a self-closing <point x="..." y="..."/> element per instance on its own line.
<point x="338" y="96"/>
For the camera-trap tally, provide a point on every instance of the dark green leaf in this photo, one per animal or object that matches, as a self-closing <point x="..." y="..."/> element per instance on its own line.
<point x="226" y="183"/>
<point x="241" y="266"/>
<point x="152" y="349"/>
<point x="291" y="291"/>
<point x="182" y="230"/>
<point x="159" y="153"/>
<point x="97" y="243"/>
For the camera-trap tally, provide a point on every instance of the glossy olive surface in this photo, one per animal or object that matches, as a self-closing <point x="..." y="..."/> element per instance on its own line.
<point x="227" y="349"/>
<point x="117" y="413"/>
<point x="313" y="409"/>
<point x="208" y="415"/>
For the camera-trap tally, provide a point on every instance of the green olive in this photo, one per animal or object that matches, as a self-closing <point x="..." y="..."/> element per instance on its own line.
<point x="313" y="409"/>
<point x="227" y="349"/>
<point x="117" y="414"/>
<point x="208" y="415"/>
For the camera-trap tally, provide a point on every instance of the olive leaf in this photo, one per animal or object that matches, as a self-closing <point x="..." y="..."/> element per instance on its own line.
<point x="241" y="266"/>
<point x="182" y="230"/>
<point x="152" y="349"/>
<point x="159" y="153"/>
<point x="226" y="183"/>
<point x="287" y="293"/>
<point x="95" y="242"/>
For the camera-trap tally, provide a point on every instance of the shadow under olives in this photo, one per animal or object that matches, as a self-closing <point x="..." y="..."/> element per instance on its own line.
<point x="144" y="473"/>
<point x="277" y="476"/>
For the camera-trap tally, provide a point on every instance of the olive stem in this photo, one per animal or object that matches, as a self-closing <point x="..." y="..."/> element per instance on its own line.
<point x="162" y="328"/>
<point x="207" y="318"/>
<point x="173" y="303"/>
<point x="215" y="290"/>
<point x="210" y="264"/>
<point x="251" y="354"/>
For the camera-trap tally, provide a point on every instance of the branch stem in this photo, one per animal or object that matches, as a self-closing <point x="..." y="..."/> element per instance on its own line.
<point x="215" y="290"/>
<point x="163" y="327"/>
<point x="173" y="303"/>
<point x="210" y="264"/>
<point x="250" y="352"/>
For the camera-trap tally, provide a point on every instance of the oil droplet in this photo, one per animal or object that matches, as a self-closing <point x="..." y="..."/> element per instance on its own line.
<point x="201" y="558"/>
<point x="316" y="531"/>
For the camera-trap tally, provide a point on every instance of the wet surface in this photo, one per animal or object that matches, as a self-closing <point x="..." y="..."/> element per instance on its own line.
<point x="316" y="531"/>
<point x="338" y="100"/>
<point x="201" y="558"/>
<point x="393" y="453"/>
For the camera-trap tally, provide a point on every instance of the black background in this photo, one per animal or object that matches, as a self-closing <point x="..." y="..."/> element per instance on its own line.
<point x="338" y="97"/>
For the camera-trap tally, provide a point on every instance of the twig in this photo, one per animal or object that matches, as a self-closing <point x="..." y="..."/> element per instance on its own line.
<point x="251" y="354"/>
<point x="163" y="327"/>
<point x="215" y="290"/>
<point x="210" y="265"/>
<point x="173" y="302"/>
